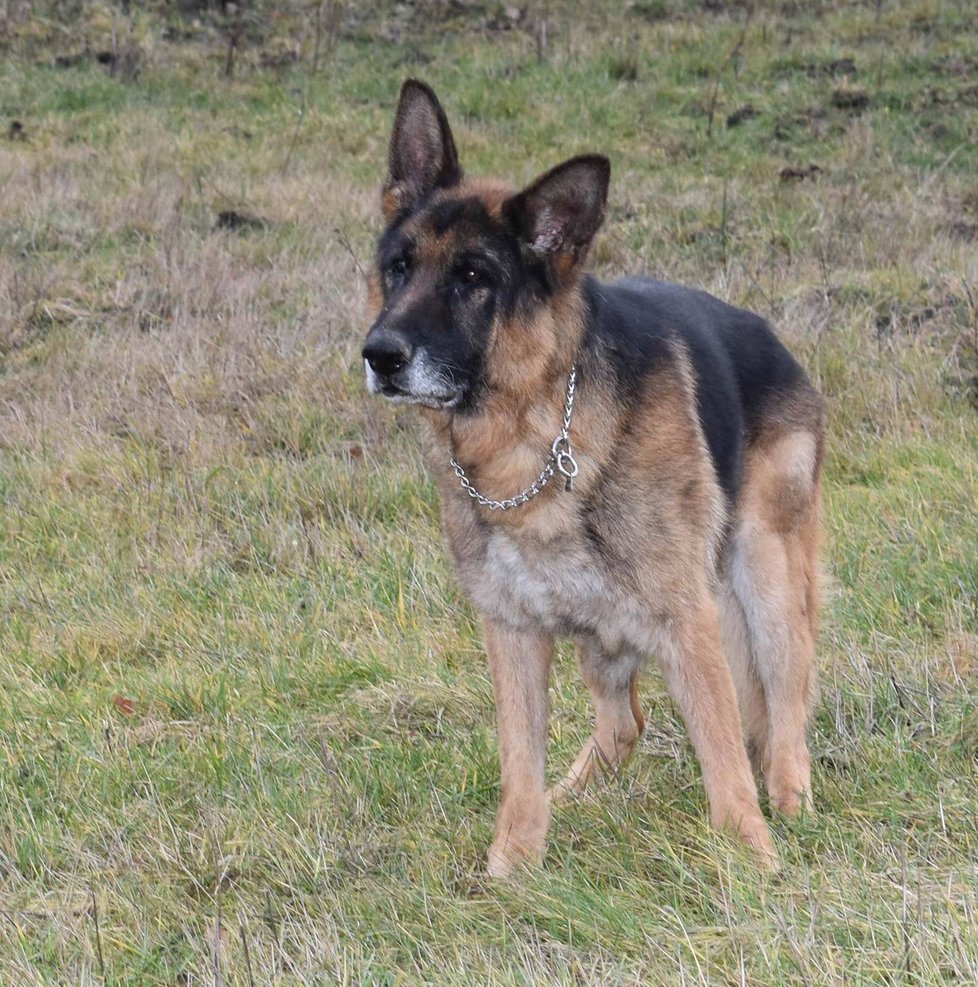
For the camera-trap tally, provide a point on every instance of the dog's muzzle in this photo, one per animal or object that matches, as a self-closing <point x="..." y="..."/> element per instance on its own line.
<point x="403" y="373"/>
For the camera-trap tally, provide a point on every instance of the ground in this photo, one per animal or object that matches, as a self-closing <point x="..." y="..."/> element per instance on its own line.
<point x="246" y="729"/>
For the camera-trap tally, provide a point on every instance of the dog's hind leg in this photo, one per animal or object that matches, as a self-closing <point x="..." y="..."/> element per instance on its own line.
<point x="750" y="690"/>
<point x="618" y="718"/>
<point x="774" y="572"/>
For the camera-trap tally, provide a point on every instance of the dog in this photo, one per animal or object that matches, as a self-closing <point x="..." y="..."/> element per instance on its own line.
<point x="634" y="465"/>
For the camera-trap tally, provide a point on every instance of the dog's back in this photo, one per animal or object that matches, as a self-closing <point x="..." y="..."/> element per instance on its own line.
<point x="745" y="378"/>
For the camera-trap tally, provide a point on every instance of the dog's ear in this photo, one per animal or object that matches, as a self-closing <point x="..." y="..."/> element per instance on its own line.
<point x="558" y="214"/>
<point x="422" y="150"/>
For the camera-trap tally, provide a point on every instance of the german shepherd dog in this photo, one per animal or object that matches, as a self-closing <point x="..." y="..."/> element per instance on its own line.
<point x="634" y="465"/>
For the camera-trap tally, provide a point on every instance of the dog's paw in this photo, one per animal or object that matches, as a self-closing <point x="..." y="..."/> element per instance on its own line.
<point x="564" y="791"/>
<point x="757" y="838"/>
<point x="507" y="861"/>
<point x="792" y="803"/>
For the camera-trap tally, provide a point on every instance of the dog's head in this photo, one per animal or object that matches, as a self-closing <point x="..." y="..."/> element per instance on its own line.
<point x="464" y="264"/>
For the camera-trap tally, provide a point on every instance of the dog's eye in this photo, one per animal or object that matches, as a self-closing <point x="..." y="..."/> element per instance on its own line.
<point x="471" y="277"/>
<point x="397" y="271"/>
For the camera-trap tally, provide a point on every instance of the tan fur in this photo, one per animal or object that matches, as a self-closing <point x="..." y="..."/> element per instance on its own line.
<point x="726" y="605"/>
<point x="491" y="191"/>
<point x="774" y="572"/>
<point x="522" y="710"/>
<point x="618" y="724"/>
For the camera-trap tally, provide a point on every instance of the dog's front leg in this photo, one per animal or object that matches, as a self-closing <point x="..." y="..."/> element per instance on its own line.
<point x="519" y="663"/>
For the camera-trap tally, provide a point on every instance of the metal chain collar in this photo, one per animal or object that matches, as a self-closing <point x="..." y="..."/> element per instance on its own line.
<point x="561" y="461"/>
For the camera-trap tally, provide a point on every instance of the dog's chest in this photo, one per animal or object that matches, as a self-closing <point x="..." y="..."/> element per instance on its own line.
<point x="556" y="586"/>
<point x="546" y="582"/>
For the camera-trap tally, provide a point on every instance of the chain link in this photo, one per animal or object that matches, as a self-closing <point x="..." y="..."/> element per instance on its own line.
<point x="561" y="461"/>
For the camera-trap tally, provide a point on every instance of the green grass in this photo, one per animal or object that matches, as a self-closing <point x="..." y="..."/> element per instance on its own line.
<point x="246" y="730"/>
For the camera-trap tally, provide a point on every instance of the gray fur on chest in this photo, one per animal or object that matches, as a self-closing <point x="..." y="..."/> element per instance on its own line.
<point x="558" y="587"/>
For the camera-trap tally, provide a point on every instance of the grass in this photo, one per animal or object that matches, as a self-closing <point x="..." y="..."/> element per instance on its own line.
<point x="246" y="728"/>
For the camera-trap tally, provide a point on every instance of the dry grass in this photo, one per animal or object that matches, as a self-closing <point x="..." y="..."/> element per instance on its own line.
<point x="245" y="727"/>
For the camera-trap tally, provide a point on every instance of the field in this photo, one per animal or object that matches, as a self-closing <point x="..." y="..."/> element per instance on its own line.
<point x="246" y="728"/>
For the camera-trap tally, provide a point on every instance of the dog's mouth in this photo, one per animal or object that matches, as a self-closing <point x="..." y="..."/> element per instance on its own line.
<point x="398" y="395"/>
<point x="398" y="391"/>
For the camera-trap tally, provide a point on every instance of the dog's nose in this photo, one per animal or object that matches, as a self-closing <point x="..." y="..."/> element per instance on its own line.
<point x="387" y="352"/>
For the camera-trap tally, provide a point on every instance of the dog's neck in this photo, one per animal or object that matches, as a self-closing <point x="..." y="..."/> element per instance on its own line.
<point x="503" y="442"/>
